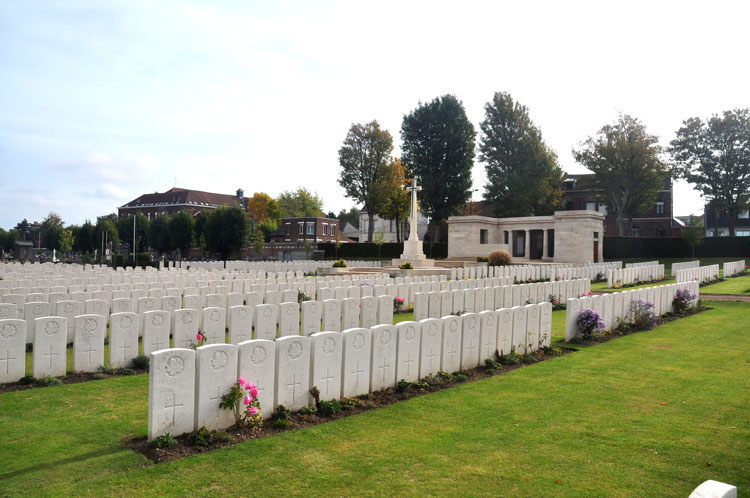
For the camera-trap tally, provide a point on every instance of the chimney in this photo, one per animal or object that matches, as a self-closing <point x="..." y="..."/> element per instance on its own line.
<point x="240" y="193"/>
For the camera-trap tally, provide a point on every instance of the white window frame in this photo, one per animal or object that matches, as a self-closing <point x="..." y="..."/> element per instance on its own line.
<point x="660" y="204"/>
<point x="325" y="228"/>
<point x="333" y="230"/>
<point x="301" y="226"/>
<point x="310" y="228"/>
<point x="593" y="203"/>
<point x="743" y="215"/>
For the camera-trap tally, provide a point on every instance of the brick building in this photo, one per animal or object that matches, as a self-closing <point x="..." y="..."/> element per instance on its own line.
<point x="715" y="223"/>
<point x="177" y="199"/>
<point x="657" y="221"/>
<point x="308" y="229"/>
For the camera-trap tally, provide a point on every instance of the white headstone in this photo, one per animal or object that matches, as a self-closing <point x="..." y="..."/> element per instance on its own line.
<point x="171" y="393"/>
<point x="240" y="324"/>
<point x="123" y="339"/>
<point x="350" y="312"/>
<point x="293" y="372"/>
<point x="450" y="360"/>
<point x="356" y="362"/>
<point x="50" y="339"/>
<point x="545" y="324"/>
<point x="519" y="329"/>
<point x="369" y="311"/>
<point x="69" y="310"/>
<point x="327" y="351"/>
<point x="383" y="357"/>
<point x="487" y="336"/>
<point x="216" y="373"/>
<point x="434" y="304"/>
<point x="265" y="321"/>
<point x="156" y="327"/>
<point x="31" y="312"/>
<point x="257" y="364"/>
<point x="88" y="342"/>
<point x="214" y="325"/>
<point x="532" y="327"/>
<point x="289" y="318"/>
<point x="12" y="350"/>
<point x="470" y="341"/>
<point x="407" y="354"/>
<point x="312" y="312"/>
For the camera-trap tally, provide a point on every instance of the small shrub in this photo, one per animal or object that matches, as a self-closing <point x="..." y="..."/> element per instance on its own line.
<point x="124" y="371"/>
<point x="339" y="264"/>
<point x="106" y="369"/>
<point x="202" y="437"/>
<point x="682" y="300"/>
<point x="644" y="317"/>
<point x="483" y="259"/>
<point x="166" y="440"/>
<point x="48" y="381"/>
<point x="510" y="359"/>
<point x="590" y="323"/>
<point x="329" y="408"/>
<point x="557" y="303"/>
<point x="243" y="392"/>
<point x="281" y="413"/>
<point x="308" y="410"/>
<point x="499" y="258"/>
<point x="402" y="386"/>
<point x="26" y="380"/>
<point x="349" y="403"/>
<point x="398" y="303"/>
<point x="364" y="397"/>
<point x="280" y="425"/>
<point x="491" y="365"/>
<point x="460" y="376"/>
<point x="141" y="362"/>
<point x="406" y="266"/>
<point x="302" y="297"/>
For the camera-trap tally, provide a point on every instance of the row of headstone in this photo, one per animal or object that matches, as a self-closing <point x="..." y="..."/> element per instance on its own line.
<point x="684" y="266"/>
<point x="615" y="308"/>
<point x="642" y="263"/>
<point x="702" y="274"/>
<point x="733" y="268"/>
<point x="589" y="270"/>
<point x="628" y="276"/>
<point x="186" y="386"/>
<point x="437" y="304"/>
<point x="521" y="273"/>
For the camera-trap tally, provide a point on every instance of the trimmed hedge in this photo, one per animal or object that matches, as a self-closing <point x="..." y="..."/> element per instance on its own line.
<point x="674" y="247"/>
<point x="389" y="250"/>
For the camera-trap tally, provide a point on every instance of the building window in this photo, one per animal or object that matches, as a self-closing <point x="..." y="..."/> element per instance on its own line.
<point x="333" y="230"/>
<point x="325" y="228"/>
<point x="310" y="228"/>
<point x="660" y="208"/>
<point x="596" y="235"/>
<point x="635" y="232"/>
<point x="505" y="236"/>
<point x="744" y="215"/>
<point x="551" y="243"/>
<point x="301" y="228"/>
<point x="603" y="209"/>
<point x="742" y="233"/>
<point x="590" y="205"/>
<point x="660" y="232"/>
<point x="482" y="236"/>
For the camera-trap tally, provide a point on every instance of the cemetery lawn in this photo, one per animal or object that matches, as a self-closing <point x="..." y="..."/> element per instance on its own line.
<point x="602" y="286"/>
<point x="735" y="285"/>
<point x="649" y="414"/>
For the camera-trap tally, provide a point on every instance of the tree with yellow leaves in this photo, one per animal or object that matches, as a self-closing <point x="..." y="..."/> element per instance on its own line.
<point x="396" y="201"/>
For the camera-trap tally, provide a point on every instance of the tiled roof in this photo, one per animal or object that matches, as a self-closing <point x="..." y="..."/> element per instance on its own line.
<point x="195" y="198"/>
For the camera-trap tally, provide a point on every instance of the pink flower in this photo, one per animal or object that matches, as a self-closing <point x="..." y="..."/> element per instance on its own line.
<point x="554" y="302"/>
<point x="252" y="411"/>
<point x="247" y="400"/>
<point x="242" y="381"/>
<point x="591" y="293"/>
<point x="253" y="391"/>
<point x="198" y="337"/>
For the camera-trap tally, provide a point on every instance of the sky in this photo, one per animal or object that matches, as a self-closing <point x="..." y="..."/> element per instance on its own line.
<point x="101" y="102"/>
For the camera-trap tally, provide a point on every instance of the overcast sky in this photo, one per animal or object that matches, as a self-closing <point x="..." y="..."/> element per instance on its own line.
<point x="101" y="102"/>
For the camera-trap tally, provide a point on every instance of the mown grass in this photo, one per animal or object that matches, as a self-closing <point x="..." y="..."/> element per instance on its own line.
<point x="734" y="285"/>
<point x="587" y="424"/>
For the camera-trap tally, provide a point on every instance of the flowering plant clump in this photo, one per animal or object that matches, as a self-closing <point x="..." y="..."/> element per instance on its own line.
<point x="556" y="303"/>
<point x="681" y="300"/>
<point x="643" y="314"/>
<point x="242" y="399"/>
<point x="590" y="323"/>
<point x="200" y="340"/>
<point x="398" y="303"/>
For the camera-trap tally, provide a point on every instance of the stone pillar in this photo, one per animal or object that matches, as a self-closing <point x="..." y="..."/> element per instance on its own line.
<point x="544" y="243"/>
<point x="527" y="244"/>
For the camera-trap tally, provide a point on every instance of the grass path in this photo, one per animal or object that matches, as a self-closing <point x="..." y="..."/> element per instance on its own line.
<point x="587" y="424"/>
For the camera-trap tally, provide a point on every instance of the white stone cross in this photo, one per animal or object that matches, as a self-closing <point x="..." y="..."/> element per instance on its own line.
<point x="408" y="362"/>
<point x="7" y="359"/>
<point x="50" y="355"/>
<point x="357" y="372"/>
<point x="294" y="386"/>
<point x="413" y="219"/>
<point x="172" y="407"/>
<point x="328" y="379"/>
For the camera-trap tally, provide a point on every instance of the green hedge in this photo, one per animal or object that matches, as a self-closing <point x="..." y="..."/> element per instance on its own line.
<point x="389" y="250"/>
<point x="674" y="247"/>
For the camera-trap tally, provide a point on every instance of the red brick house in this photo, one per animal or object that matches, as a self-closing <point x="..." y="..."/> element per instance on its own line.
<point x="177" y="199"/>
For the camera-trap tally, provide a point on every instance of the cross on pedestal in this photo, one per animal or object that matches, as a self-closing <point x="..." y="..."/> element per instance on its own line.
<point x="50" y="355"/>
<point x="356" y="374"/>
<point x="413" y="218"/>
<point x="383" y="366"/>
<point x="7" y="360"/>
<point x="294" y="386"/>
<point x="172" y="407"/>
<point x="328" y="378"/>
<point x="89" y="351"/>
<point x="408" y="362"/>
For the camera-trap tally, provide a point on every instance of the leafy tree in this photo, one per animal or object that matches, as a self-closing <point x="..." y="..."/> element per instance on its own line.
<point x="227" y="230"/>
<point x="523" y="177"/>
<point x="438" y="149"/>
<point x="627" y="166"/>
<point x="181" y="231"/>
<point x="85" y="237"/>
<point x="300" y="202"/>
<point x="125" y="231"/>
<point x="66" y="241"/>
<point x="23" y="228"/>
<point x="364" y="159"/>
<point x="257" y="239"/>
<point x="201" y="222"/>
<point x="8" y="239"/>
<point x="158" y="233"/>
<point x="107" y="225"/>
<point x="694" y="233"/>
<point x="50" y="228"/>
<point x="715" y="157"/>
<point x="351" y="216"/>
<point x="331" y="214"/>
<point x="263" y="209"/>
<point x="396" y="201"/>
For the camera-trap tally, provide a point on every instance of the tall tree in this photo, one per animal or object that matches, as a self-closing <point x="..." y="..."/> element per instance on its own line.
<point x="181" y="231"/>
<point x="694" y="233"/>
<point x="84" y="238"/>
<point x="523" y="177"/>
<point x="66" y="241"/>
<point x="24" y="229"/>
<point x="158" y="233"/>
<point x="300" y="202"/>
<point x="107" y="225"/>
<point x="715" y="157"/>
<point x="262" y="208"/>
<point x="396" y="200"/>
<point x="627" y="166"/>
<point x="50" y="228"/>
<point x="438" y="149"/>
<point x="364" y="158"/>
<point x="351" y="216"/>
<point x="227" y="230"/>
<point x="125" y="231"/>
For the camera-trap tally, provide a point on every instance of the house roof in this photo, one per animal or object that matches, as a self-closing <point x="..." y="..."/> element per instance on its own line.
<point x="186" y="197"/>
